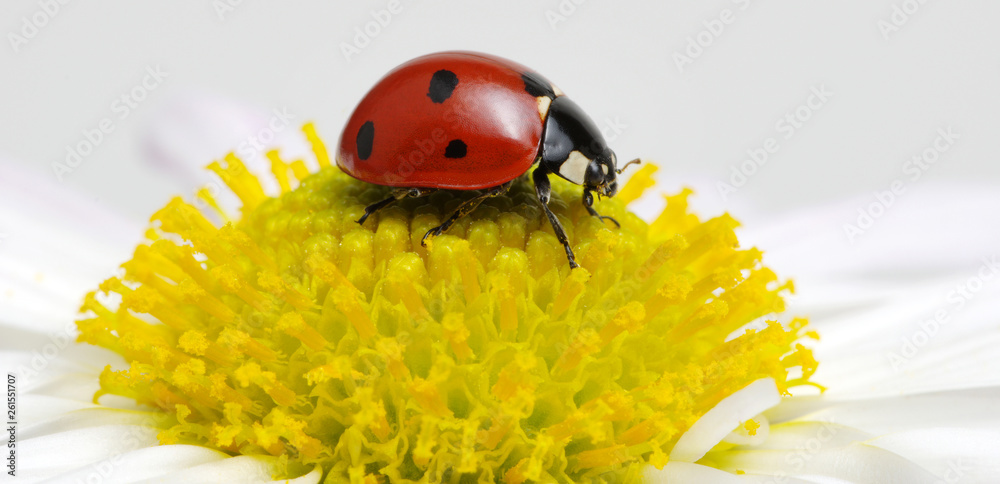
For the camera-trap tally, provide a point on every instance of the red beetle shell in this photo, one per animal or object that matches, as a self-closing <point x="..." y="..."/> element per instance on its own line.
<point x="452" y="120"/>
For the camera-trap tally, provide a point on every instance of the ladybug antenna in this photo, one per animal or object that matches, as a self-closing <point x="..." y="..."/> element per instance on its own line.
<point x="626" y="165"/>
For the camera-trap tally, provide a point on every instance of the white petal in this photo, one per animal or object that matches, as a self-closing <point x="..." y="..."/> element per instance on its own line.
<point x="236" y="469"/>
<point x="55" y="246"/>
<point x="88" y="418"/>
<point x="70" y="384"/>
<point x="855" y="462"/>
<point x="18" y="338"/>
<point x="687" y="472"/>
<point x="954" y="455"/>
<point x="54" y="454"/>
<point x="899" y="347"/>
<point x="70" y="372"/>
<point x="947" y="366"/>
<point x="972" y="408"/>
<point x="935" y="232"/>
<point x="197" y="128"/>
<point x="820" y="451"/>
<point x="38" y="373"/>
<point x="932" y="229"/>
<point x="871" y="299"/>
<point x="796" y="434"/>
<point x="783" y="479"/>
<point x="718" y="422"/>
<point x="675" y="472"/>
<point x="142" y="464"/>
<point x="37" y="409"/>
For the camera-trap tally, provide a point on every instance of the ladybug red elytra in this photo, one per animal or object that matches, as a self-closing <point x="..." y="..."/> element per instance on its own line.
<point x="471" y="121"/>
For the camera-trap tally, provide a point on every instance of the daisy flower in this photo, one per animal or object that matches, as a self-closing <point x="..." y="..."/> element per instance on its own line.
<point x="275" y="339"/>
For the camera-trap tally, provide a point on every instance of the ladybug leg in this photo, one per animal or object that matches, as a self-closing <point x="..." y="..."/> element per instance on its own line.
<point x="464" y="209"/>
<point x="543" y="189"/>
<point x="588" y="201"/>
<point x="375" y="207"/>
<point x="397" y="194"/>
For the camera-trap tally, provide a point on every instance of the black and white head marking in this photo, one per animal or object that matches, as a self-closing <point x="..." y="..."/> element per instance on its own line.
<point x="574" y="148"/>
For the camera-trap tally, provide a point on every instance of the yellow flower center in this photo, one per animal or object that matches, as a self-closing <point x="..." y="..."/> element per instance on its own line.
<point x="293" y="331"/>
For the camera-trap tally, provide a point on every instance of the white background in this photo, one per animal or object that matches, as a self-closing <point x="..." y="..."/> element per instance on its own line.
<point x="893" y="88"/>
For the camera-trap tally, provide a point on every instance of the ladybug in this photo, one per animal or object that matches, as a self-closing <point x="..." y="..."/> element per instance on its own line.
<point x="471" y="121"/>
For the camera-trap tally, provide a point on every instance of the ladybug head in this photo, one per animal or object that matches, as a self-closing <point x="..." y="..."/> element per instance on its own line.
<point x="574" y="148"/>
<point x="601" y="175"/>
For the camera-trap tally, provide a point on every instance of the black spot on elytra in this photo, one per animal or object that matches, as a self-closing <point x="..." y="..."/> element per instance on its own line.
<point x="365" y="140"/>
<point x="443" y="82"/>
<point x="536" y="85"/>
<point x="456" y="149"/>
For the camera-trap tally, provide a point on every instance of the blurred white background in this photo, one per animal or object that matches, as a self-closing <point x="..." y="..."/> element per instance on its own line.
<point x="695" y="86"/>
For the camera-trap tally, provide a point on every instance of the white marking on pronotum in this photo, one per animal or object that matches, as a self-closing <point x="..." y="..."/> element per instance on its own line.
<point x="543" y="106"/>
<point x="575" y="167"/>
